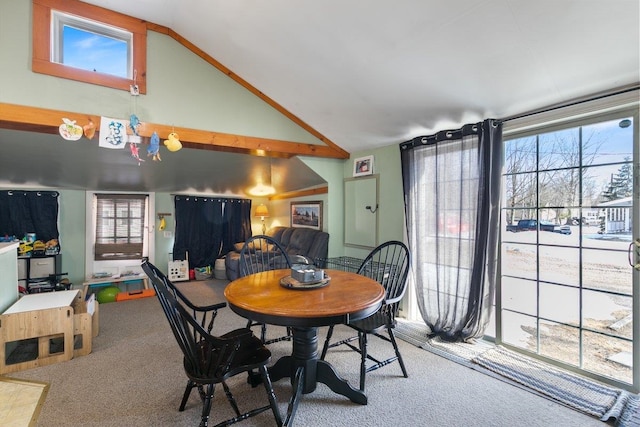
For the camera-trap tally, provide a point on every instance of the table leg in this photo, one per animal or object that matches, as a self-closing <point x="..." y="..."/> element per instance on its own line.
<point x="305" y="371"/>
<point x="281" y="369"/>
<point x="328" y="376"/>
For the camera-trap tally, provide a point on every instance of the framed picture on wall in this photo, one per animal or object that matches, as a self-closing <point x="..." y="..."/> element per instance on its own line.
<point x="363" y="166"/>
<point x="307" y="215"/>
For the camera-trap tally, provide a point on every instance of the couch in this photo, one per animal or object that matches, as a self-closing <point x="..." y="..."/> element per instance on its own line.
<point x="304" y="245"/>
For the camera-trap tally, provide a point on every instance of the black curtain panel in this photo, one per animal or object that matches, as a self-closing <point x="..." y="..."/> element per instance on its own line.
<point x="199" y="229"/>
<point x="237" y="220"/>
<point x="23" y="212"/>
<point x="452" y="188"/>
<point x="208" y="227"/>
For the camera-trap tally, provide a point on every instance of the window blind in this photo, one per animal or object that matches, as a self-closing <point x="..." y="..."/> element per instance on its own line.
<point x="120" y="222"/>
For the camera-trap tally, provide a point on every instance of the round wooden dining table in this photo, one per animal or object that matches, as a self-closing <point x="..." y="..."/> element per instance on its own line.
<point x="347" y="297"/>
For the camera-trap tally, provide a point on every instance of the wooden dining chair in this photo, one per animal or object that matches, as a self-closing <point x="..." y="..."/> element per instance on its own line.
<point x="263" y="253"/>
<point x="208" y="359"/>
<point x="388" y="264"/>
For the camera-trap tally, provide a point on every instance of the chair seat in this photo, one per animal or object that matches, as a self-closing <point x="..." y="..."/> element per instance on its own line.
<point x="250" y="355"/>
<point x="373" y="323"/>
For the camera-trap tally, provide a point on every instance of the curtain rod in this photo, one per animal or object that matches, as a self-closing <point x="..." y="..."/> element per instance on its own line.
<point x="578" y="101"/>
<point x="200" y="196"/>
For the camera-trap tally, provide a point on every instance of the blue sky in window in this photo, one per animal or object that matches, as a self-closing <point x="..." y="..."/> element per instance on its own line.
<point x="94" y="52"/>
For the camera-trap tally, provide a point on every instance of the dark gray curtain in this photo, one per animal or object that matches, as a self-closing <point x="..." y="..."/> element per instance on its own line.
<point x="208" y="227"/>
<point x="199" y="229"/>
<point x="24" y="212"/>
<point x="237" y="220"/>
<point x="452" y="189"/>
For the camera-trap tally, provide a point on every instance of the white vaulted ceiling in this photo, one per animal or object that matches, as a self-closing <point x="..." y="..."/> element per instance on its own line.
<point x="364" y="74"/>
<point x="377" y="72"/>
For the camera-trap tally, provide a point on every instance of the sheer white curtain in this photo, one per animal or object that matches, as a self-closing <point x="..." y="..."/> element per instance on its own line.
<point x="452" y="199"/>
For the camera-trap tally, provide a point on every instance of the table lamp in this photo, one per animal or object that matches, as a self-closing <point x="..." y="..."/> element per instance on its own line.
<point x="263" y="213"/>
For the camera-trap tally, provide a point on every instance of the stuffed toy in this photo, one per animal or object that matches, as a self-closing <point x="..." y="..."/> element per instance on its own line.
<point x="173" y="142"/>
<point x="154" y="147"/>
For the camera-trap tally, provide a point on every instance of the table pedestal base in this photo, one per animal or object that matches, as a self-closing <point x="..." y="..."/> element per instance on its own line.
<point x="306" y="370"/>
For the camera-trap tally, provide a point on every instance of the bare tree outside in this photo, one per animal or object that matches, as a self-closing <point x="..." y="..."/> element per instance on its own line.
<point x="568" y="294"/>
<point x="561" y="159"/>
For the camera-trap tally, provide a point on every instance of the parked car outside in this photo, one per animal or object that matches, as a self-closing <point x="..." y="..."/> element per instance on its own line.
<point x="550" y="226"/>
<point x="532" y="225"/>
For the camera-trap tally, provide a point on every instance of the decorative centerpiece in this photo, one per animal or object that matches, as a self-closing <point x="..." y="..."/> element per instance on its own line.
<point x="305" y="273"/>
<point x="304" y="276"/>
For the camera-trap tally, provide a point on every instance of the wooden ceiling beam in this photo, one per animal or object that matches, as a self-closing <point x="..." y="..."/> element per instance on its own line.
<point x="300" y="193"/>
<point x="42" y="120"/>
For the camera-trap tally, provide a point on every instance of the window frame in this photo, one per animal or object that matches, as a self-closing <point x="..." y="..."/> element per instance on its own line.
<point x="120" y="251"/>
<point x="42" y="43"/>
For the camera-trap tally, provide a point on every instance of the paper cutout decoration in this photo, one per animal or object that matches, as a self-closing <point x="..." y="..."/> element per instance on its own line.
<point x="69" y="130"/>
<point x="134" y="124"/>
<point x="113" y="133"/>
<point x="134" y="152"/>
<point x="173" y="142"/>
<point x="154" y="147"/>
<point x="89" y="129"/>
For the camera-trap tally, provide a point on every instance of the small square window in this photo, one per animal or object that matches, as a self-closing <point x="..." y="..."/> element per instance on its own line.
<point x="92" y="46"/>
<point x="79" y="41"/>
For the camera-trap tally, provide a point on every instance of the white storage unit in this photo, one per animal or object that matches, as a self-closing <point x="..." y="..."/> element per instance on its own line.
<point x="8" y="274"/>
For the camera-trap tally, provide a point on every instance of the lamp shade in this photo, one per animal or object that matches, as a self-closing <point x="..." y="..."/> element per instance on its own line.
<point x="262" y="211"/>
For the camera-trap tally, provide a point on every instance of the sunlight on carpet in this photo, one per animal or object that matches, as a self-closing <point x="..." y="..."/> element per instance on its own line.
<point x="20" y="401"/>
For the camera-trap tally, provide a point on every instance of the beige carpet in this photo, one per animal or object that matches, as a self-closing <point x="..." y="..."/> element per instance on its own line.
<point x="134" y="378"/>
<point x="20" y="401"/>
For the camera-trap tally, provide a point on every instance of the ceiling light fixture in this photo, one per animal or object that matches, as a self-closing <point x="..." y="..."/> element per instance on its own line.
<point x="261" y="189"/>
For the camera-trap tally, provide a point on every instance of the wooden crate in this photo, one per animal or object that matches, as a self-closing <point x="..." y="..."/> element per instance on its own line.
<point x="47" y="318"/>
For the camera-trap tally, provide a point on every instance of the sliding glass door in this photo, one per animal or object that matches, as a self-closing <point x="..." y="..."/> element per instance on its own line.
<point x="568" y="291"/>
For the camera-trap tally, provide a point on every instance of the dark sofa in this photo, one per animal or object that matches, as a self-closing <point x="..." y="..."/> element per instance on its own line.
<point x="311" y="244"/>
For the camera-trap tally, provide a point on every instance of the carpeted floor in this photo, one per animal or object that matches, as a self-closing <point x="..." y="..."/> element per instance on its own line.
<point x="577" y="392"/>
<point x="134" y="377"/>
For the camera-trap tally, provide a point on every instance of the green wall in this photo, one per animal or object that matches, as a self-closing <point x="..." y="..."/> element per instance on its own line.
<point x="386" y="163"/>
<point x="182" y="90"/>
<point x="71" y="219"/>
